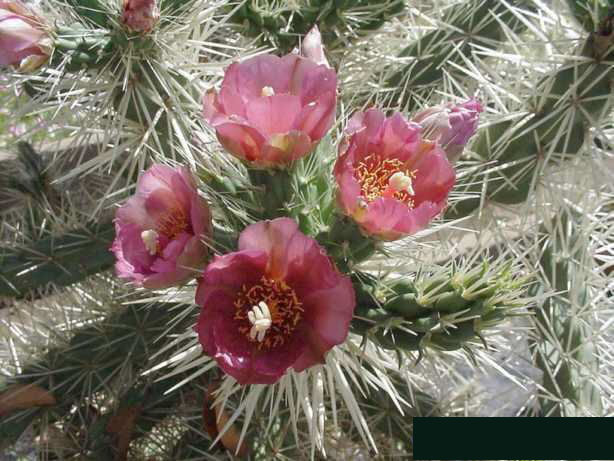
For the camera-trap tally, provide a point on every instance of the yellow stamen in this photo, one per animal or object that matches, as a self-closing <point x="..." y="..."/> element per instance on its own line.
<point x="385" y="177"/>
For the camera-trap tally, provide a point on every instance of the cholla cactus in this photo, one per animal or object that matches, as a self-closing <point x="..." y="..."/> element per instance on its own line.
<point x="210" y="248"/>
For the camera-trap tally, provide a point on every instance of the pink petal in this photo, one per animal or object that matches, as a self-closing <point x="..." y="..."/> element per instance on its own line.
<point x="213" y="111"/>
<point x="130" y="248"/>
<point x="160" y="202"/>
<point x="399" y="138"/>
<point x="273" y="238"/>
<point x="231" y="101"/>
<point x="200" y="216"/>
<point x="133" y="212"/>
<point x="309" y="80"/>
<point x="390" y="219"/>
<point x="273" y="114"/>
<point x="435" y="178"/>
<point x="284" y="148"/>
<point x="247" y="78"/>
<point x="241" y="140"/>
<point x="194" y="254"/>
<point x="155" y="177"/>
<point x="316" y="118"/>
<point x="166" y="279"/>
<point x="229" y="272"/>
<point x="349" y="192"/>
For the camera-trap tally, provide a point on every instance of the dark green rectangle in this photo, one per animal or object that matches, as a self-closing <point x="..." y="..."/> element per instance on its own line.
<point x="513" y="438"/>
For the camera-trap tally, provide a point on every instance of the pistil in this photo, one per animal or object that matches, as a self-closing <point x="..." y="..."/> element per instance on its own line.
<point x="150" y="240"/>
<point x="267" y="91"/>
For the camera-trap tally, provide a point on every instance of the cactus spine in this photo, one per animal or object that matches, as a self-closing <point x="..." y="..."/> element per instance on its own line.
<point x="91" y="360"/>
<point x="464" y="26"/>
<point x="571" y="99"/>
<point x="563" y="348"/>
<point x="60" y="261"/>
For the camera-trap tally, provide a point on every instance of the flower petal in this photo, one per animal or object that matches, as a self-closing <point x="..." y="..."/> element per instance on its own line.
<point x="284" y="148"/>
<point x="316" y="118"/>
<point x="229" y="272"/>
<point x="434" y="177"/>
<point x="273" y="114"/>
<point x="240" y="139"/>
<point x="273" y="238"/>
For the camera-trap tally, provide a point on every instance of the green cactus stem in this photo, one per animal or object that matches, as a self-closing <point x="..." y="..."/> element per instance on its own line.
<point x="445" y="311"/>
<point x="93" y="357"/>
<point x="281" y="27"/>
<point x="586" y="11"/>
<point x="60" y="261"/>
<point x="563" y="348"/>
<point x="82" y="48"/>
<point x="573" y="98"/>
<point x="468" y="24"/>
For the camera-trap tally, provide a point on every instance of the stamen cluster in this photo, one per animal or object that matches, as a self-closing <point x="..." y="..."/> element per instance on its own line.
<point x="282" y="303"/>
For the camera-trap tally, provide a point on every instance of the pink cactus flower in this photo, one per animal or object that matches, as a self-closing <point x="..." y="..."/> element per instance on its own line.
<point x="391" y="181"/>
<point x="450" y="125"/>
<point x="23" y="40"/>
<point x="276" y="303"/>
<point x="271" y="111"/>
<point x="140" y="15"/>
<point x="159" y="230"/>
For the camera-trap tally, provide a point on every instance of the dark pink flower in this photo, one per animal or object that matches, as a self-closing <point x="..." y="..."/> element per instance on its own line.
<point x="391" y="181"/>
<point x="451" y="125"/>
<point x="23" y="39"/>
<point x="276" y="303"/>
<point x="159" y="230"/>
<point x="140" y="15"/>
<point x="271" y="111"/>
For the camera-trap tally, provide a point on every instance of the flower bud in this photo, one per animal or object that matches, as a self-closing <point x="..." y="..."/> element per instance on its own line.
<point x="450" y="125"/>
<point x="312" y="47"/>
<point x="24" y="43"/>
<point x="140" y="15"/>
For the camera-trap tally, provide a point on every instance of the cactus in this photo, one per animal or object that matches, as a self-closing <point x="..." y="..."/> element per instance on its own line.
<point x="568" y="102"/>
<point x="60" y="261"/>
<point x="445" y="311"/>
<point x="90" y="361"/>
<point x="563" y="347"/>
<point x="473" y="23"/>
<point x="280" y="26"/>
<point x="124" y="382"/>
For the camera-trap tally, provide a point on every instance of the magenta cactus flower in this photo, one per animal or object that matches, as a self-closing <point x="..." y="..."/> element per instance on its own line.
<point x="23" y="40"/>
<point x="276" y="303"/>
<point x="391" y="181"/>
<point x="159" y="231"/>
<point x="450" y="125"/>
<point x="271" y="111"/>
<point x="140" y="15"/>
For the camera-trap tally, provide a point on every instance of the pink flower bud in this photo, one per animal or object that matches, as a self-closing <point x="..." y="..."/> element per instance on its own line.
<point x="23" y="40"/>
<point x="312" y="47"/>
<point x="159" y="231"/>
<point x="450" y="125"/>
<point x="277" y="303"/>
<point x="392" y="182"/>
<point x="140" y="15"/>
<point x="271" y="111"/>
